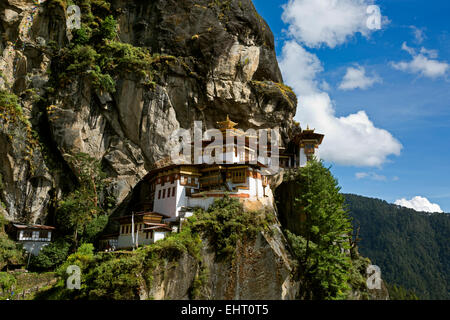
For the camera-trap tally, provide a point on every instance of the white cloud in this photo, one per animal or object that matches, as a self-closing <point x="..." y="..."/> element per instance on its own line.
<point x="410" y="50"/>
<point x="419" y="204"/>
<point x="300" y="68"/>
<point x="350" y="140"/>
<point x="356" y="77"/>
<point x="326" y="22"/>
<point x="419" y="34"/>
<point x="324" y="86"/>
<point x="361" y="175"/>
<point x="423" y="63"/>
<point x="370" y="175"/>
<point x="430" y="53"/>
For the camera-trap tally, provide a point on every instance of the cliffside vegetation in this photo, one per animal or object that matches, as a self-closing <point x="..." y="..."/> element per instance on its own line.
<point x="83" y="212"/>
<point x="126" y="274"/>
<point x="16" y="126"/>
<point x="97" y="53"/>
<point x="410" y="247"/>
<point x="397" y="292"/>
<point x="80" y="215"/>
<point x="319" y="231"/>
<point x="11" y="254"/>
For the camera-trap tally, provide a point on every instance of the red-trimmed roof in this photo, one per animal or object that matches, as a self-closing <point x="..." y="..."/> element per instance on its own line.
<point x="155" y="224"/>
<point x="152" y="172"/>
<point x="34" y="226"/>
<point x="141" y="214"/>
<point x="158" y="228"/>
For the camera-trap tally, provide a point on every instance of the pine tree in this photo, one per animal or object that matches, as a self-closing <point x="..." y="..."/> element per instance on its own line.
<point x="322" y="244"/>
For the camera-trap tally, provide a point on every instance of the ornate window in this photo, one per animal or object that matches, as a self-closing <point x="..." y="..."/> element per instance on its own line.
<point x="43" y="234"/>
<point x="309" y="148"/>
<point x="238" y="176"/>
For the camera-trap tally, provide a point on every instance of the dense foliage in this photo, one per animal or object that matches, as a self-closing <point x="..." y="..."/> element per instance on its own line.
<point x="411" y="248"/>
<point x="225" y="222"/>
<point x="96" y="53"/>
<point x="399" y="293"/>
<point x="50" y="256"/>
<point x="323" y="240"/>
<point x="16" y="126"/>
<point x="123" y="274"/>
<point x="11" y="254"/>
<point x="7" y="281"/>
<point x="83" y="212"/>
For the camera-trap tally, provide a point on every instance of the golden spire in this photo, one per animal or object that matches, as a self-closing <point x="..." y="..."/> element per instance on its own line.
<point x="227" y="124"/>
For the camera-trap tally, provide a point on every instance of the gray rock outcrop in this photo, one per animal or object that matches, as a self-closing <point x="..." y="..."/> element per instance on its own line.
<point x="224" y="63"/>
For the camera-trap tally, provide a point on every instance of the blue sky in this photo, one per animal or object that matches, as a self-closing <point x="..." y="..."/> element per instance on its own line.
<point x="407" y="100"/>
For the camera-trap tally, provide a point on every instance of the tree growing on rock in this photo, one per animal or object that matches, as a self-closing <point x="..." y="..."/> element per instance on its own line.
<point x="83" y="211"/>
<point x="322" y="242"/>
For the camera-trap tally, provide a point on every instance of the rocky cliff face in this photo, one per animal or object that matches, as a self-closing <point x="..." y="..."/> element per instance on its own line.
<point x="210" y="59"/>
<point x="222" y="61"/>
<point x="262" y="269"/>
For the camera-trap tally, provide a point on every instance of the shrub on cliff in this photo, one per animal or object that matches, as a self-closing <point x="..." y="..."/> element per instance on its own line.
<point x="50" y="256"/>
<point x="96" y="54"/>
<point x="11" y="254"/>
<point x="225" y="222"/>
<point x="108" y="28"/>
<point x="7" y="282"/>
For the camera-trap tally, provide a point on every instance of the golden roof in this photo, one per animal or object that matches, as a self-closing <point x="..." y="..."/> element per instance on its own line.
<point x="227" y="124"/>
<point x="309" y="130"/>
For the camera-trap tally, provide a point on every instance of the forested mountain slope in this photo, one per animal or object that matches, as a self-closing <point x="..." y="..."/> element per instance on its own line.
<point x="410" y="247"/>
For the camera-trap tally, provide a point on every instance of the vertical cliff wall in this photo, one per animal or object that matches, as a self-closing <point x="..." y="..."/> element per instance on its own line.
<point x="210" y="59"/>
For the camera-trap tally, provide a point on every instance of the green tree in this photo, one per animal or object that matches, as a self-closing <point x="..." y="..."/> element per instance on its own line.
<point x="400" y="293"/>
<point x="7" y="282"/>
<point x="83" y="211"/>
<point x="11" y="254"/>
<point x="81" y="258"/>
<point x="108" y="28"/>
<point x="50" y="256"/>
<point x="225" y="222"/>
<point x="94" y="228"/>
<point x="323" y="241"/>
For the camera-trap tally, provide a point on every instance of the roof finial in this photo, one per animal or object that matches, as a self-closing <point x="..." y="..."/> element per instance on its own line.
<point x="227" y="124"/>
